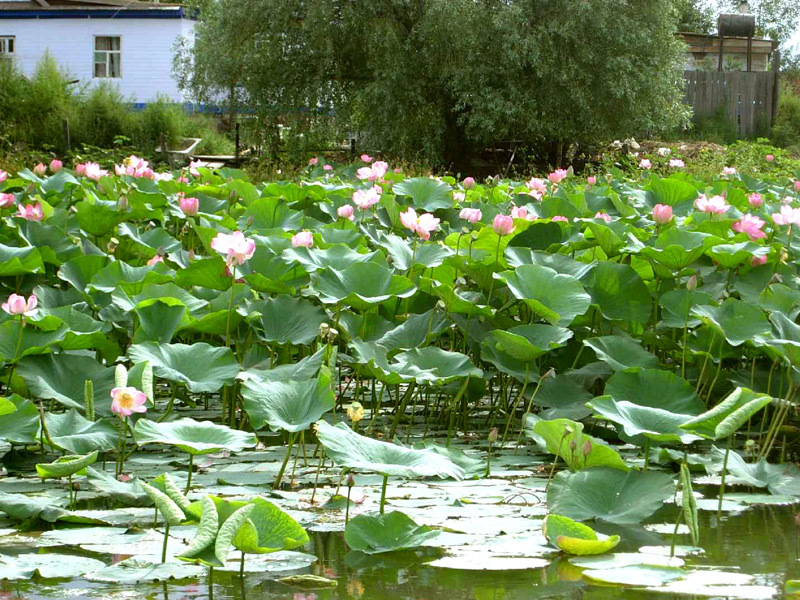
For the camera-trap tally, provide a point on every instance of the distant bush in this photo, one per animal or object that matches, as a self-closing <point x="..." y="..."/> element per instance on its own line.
<point x="104" y="116"/>
<point x="786" y="128"/>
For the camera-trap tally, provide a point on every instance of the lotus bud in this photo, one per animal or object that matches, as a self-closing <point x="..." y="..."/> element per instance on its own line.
<point x="191" y="255"/>
<point x="493" y="434"/>
<point x="573" y="445"/>
<point x="122" y="203"/>
<point x="355" y="412"/>
<point x="691" y="285"/>
<point x="351" y="481"/>
<point x="250" y="221"/>
<point x="324" y="328"/>
<point x="88" y="399"/>
<point x="587" y="447"/>
<point x="469" y="183"/>
<point x="112" y="245"/>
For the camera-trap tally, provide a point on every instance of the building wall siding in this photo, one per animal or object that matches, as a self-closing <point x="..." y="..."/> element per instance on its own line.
<point x="147" y="50"/>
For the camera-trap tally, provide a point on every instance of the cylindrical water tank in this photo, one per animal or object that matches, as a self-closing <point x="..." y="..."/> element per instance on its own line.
<point x="737" y="25"/>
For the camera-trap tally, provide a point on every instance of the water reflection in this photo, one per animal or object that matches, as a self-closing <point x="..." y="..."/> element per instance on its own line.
<point x="762" y="540"/>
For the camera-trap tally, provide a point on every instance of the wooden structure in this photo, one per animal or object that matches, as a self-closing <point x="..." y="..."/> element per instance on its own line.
<point x="750" y="99"/>
<point x="704" y="51"/>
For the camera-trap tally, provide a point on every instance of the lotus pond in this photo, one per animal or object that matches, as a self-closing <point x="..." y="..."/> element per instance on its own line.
<point x="362" y="384"/>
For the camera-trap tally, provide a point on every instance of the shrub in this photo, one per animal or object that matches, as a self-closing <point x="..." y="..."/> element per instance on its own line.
<point x="161" y="117"/>
<point x="786" y="128"/>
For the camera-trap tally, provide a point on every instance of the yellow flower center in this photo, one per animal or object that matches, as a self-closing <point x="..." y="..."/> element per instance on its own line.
<point x="125" y="400"/>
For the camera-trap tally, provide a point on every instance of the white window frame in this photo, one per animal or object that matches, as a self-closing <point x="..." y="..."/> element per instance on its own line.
<point x="4" y="43"/>
<point x="108" y="53"/>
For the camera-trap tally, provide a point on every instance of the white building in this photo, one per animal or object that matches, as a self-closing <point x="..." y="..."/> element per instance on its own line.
<point x="127" y="42"/>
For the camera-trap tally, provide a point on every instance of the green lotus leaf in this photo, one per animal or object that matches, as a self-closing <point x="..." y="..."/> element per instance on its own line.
<point x="678" y="304"/>
<point x="286" y="320"/>
<point x="34" y="341"/>
<point x="200" y="366"/>
<point x="566" y="439"/>
<point x="206" y="531"/>
<point x="66" y="466"/>
<point x="130" y="279"/>
<point x="20" y="426"/>
<point x="609" y="494"/>
<point x="337" y="257"/>
<point x="107" y="485"/>
<point x="72" y="432"/>
<point x="48" y="566"/>
<point x="20" y="261"/>
<point x="149" y="241"/>
<point x="626" y="559"/>
<point x="656" y="389"/>
<point x="528" y="342"/>
<point x="677" y="249"/>
<point x="165" y="505"/>
<point x="61" y="377"/>
<point x="415" y="331"/>
<point x="177" y="496"/>
<point x="655" y="423"/>
<point x="729" y="415"/>
<point x="737" y="321"/>
<point x="269" y="529"/>
<point x="620" y="292"/>
<point x="580" y="547"/>
<point x="403" y="255"/>
<point x="427" y="194"/>
<point x="621" y="353"/>
<point x="555" y="526"/>
<point x="636" y="575"/>
<point x="354" y="451"/>
<point x="288" y="405"/>
<point x="554" y="297"/>
<point x="228" y="531"/>
<point x="672" y="192"/>
<point x="360" y="285"/>
<point x="193" y="437"/>
<point x="389" y="532"/>
<point x="138" y="570"/>
<point x="269" y="213"/>
<point x="780" y="479"/>
<point x="560" y="263"/>
<point x="80" y="270"/>
<point x="159" y="319"/>
<point x="730" y="256"/>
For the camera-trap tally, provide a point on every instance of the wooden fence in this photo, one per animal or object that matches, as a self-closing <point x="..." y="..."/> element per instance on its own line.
<point x="750" y="99"/>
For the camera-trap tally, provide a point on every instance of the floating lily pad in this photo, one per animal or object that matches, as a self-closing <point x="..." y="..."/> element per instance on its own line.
<point x="374" y="534"/>
<point x="194" y="437"/>
<point x="635" y="575"/>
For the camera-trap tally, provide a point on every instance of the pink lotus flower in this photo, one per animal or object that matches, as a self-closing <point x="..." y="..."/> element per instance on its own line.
<point x="345" y="212"/>
<point x="373" y="173"/>
<point x="787" y="200"/>
<point x="729" y="171"/>
<point x="56" y="165"/>
<point x="40" y="170"/>
<point x="193" y="168"/>
<point x="156" y="259"/>
<point x="6" y="200"/>
<point x="31" y="212"/>
<point x="366" y="158"/>
<point x="755" y="200"/>
<point x="93" y="171"/>
<point x="770" y="157"/>
<point x="557" y="176"/>
<point x="645" y="164"/>
<point x="364" y="199"/>
<point x="591" y="180"/>
<point x="303" y="239"/>
<point x="182" y="179"/>
<point x="3" y="176"/>
<point x="469" y="183"/>
<point x="676" y="163"/>
<point x="127" y="400"/>
<point x="751" y="225"/>
<point x="313" y="161"/>
<point x="80" y="169"/>
<point x="398" y="170"/>
<point x="423" y="225"/>
<point x="327" y="168"/>
<point x="120" y="170"/>
<point x="757" y="261"/>
<point x="537" y="187"/>
<point x="560" y="218"/>
<point x="189" y="206"/>
<point x="237" y="248"/>
<point x="520" y="212"/>
<point x="716" y="205"/>
<point x="662" y="214"/>
<point x="787" y="216"/>
<point x="472" y="215"/>
<point x="503" y="225"/>
<point x="17" y="305"/>
<point x="459" y="197"/>
<point x="796" y="185"/>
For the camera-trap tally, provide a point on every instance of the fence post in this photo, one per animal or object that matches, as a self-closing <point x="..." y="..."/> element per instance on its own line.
<point x="236" y="153"/>
<point x="776" y="73"/>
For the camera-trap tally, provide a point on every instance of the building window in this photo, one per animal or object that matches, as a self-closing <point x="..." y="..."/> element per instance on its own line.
<point x="107" y="56"/>
<point x="8" y="46"/>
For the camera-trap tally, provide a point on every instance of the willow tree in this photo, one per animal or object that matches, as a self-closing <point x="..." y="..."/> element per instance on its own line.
<point x="440" y="79"/>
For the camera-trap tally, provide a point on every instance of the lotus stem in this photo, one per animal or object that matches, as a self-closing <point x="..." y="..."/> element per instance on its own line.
<point x="496" y="260"/>
<point x="347" y="508"/>
<point x="383" y="492"/>
<point x="277" y="483"/>
<point x="230" y="308"/>
<point x="401" y="407"/>
<point x="166" y="539"/>
<point x="319" y="468"/>
<point x="675" y="533"/>
<point x="520" y="397"/>
<point x="191" y="469"/>
<point x="646" y="453"/>
<point x="241" y="566"/>
<point x="724" y="472"/>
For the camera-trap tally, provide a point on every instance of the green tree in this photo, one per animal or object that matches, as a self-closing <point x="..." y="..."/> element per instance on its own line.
<point x="441" y="79"/>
